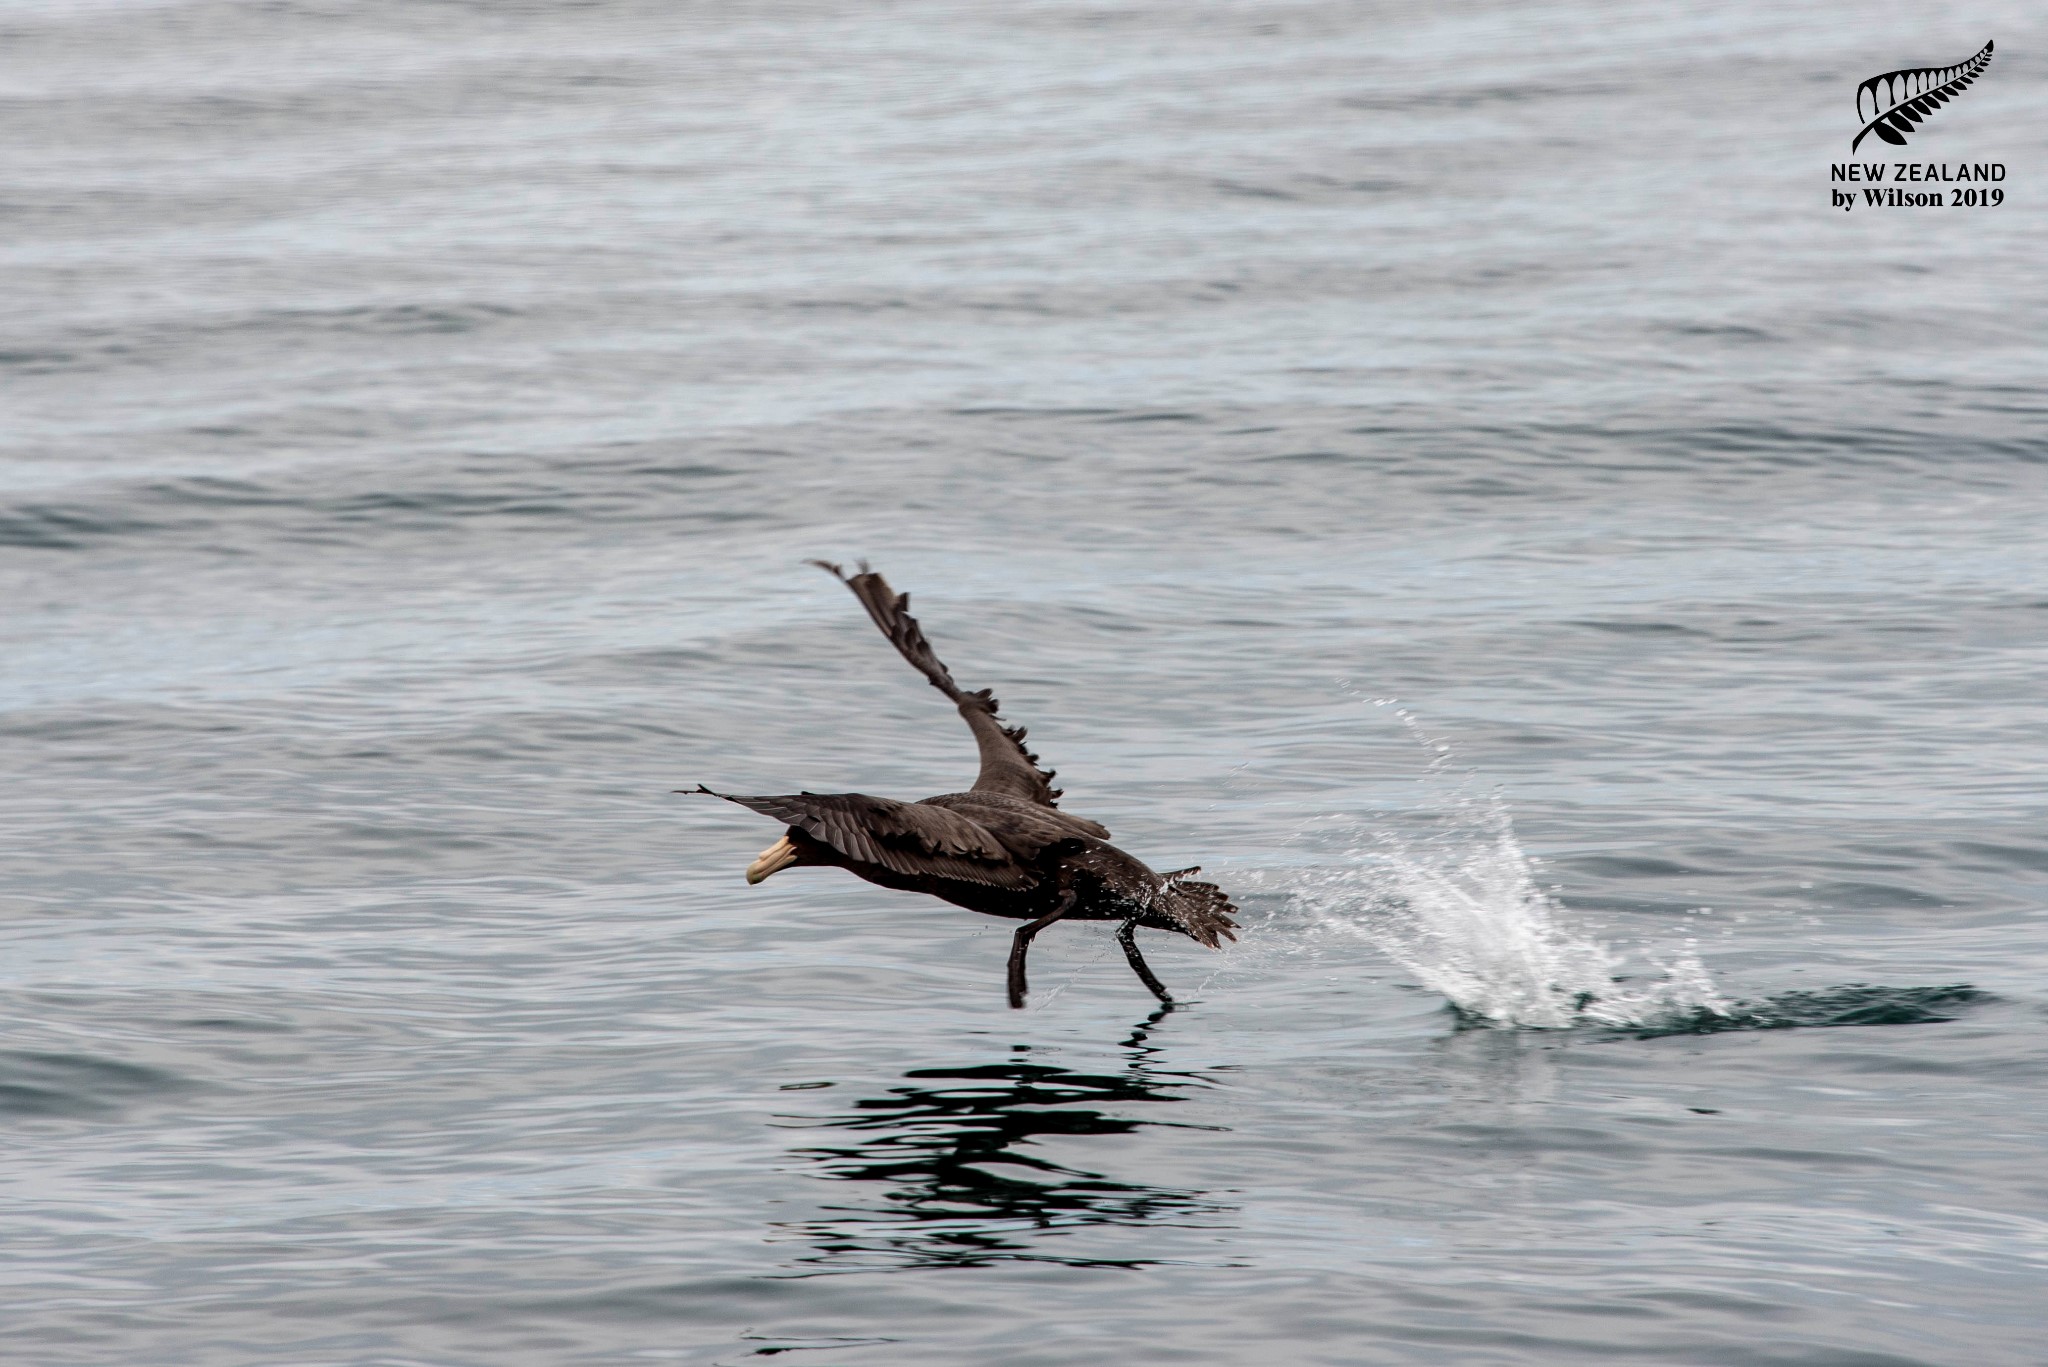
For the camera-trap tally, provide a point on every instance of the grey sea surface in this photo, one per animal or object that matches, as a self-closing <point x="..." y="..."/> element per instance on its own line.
<point x="1445" y="470"/>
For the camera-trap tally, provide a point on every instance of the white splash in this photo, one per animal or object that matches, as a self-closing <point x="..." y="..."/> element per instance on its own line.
<point x="1461" y="910"/>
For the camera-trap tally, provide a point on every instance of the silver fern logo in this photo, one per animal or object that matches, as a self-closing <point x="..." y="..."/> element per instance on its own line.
<point x="1894" y="102"/>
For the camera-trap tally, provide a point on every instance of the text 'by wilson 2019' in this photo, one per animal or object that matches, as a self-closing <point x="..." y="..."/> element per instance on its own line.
<point x="1919" y="184"/>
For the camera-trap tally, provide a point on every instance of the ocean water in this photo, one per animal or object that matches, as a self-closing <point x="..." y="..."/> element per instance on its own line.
<point x="1447" y="472"/>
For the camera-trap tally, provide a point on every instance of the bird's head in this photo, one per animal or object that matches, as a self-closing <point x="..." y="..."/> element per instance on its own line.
<point x="794" y="849"/>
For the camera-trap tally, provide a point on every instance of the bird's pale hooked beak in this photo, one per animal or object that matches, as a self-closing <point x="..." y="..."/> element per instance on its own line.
<point x="774" y="859"/>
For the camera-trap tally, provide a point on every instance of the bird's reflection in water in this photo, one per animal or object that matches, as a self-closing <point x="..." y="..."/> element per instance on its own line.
<point x="952" y="1148"/>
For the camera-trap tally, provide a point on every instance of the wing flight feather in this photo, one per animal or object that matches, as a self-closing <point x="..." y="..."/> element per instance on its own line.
<point x="1007" y="766"/>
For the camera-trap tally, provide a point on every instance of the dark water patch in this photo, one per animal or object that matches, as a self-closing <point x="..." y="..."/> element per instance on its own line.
<point x="1769" y="445"/>
<point x="49" y="526"/>
<point x="1797" y="1355"/>
<point x="45" y="1085"/>
<point x="1980" y="854"/>
<point x="1733" y="332"/>
<point x="237" y="1025"/>
<point x="132" y="726"/>
<point x="1627" y="866"/>
<point x="439" y="504"/>
<point x="242" y="516"/>
<point x="1127" y="418"/>
<point x="1350" y="186"/>
<point x="1475" y="97"/>
<point x="149" y="343"/>
<point x="212" y="491"/>
<point x="1826" y="1008"/>
<point x="1636" y="626"/>
<point x="1250" y="191"/>
<point x="1488" y="486"/>
<point x="692" y="471"/>
<point x="37" y="362"/>
<point x="388" y="319"/>
<point x="870" y="305"/>
<point x="1032" y="412"/>
<point x="1872" y="896"/>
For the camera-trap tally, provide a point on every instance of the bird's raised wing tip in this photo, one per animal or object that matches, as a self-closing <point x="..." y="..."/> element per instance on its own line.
<point x="1007" y="766"/>
<point x="838" y="571"/>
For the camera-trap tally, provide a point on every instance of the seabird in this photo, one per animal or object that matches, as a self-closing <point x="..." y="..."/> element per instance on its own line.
<point x="1002" y="848"/>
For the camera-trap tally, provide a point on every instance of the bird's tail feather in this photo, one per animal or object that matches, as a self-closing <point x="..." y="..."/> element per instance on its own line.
<point x="1200" y="910"/>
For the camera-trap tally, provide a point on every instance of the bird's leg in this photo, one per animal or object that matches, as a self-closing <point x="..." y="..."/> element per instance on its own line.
<point x="1127" y="936"/>
<point x="1022" y="942"/>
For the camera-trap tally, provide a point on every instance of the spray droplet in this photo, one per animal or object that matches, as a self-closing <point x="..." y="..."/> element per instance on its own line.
<point x="1462" y="913"/>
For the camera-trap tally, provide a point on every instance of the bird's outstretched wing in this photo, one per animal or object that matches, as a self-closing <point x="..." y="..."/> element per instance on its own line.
<point x="1007" y="767"/>
<point x="904" y="837"/>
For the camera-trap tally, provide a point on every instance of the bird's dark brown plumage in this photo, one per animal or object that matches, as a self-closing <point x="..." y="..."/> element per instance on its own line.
<point x="1003" y="847"/>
